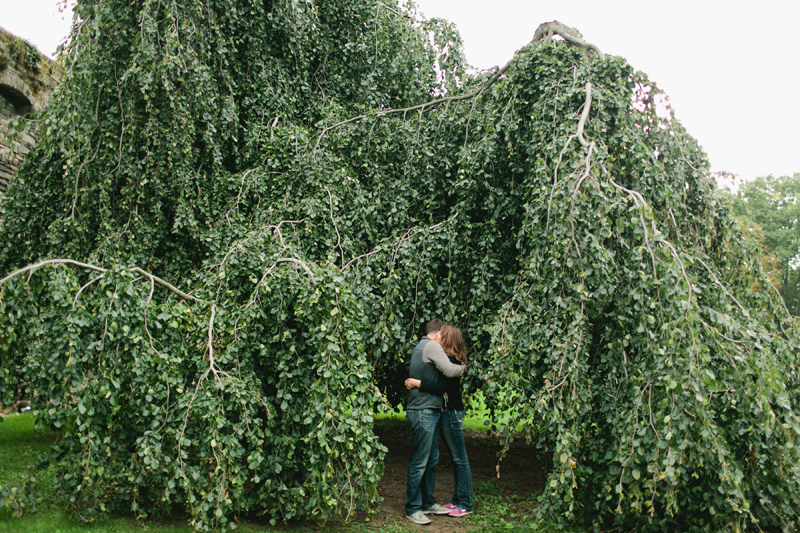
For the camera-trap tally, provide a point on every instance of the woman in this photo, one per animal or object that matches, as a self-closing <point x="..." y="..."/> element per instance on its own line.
<point x="451" y="422"/>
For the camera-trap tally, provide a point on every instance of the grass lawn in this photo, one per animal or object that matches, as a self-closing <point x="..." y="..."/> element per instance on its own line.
<point x="19" y="446"/>
<point x="477" y="419"/>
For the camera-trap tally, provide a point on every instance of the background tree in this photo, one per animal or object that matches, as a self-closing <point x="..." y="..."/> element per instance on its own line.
<point x="262" y="202"/>
<point x="768" y="208"/>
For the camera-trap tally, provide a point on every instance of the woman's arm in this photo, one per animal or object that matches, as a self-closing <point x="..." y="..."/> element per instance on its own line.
<point x="433" y="353"/>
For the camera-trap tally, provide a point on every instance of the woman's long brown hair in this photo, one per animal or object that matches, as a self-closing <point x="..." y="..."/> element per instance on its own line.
<point x="453" y="343"/>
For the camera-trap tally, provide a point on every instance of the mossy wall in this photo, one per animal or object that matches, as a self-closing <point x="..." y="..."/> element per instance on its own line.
<point x="27" y="78"/>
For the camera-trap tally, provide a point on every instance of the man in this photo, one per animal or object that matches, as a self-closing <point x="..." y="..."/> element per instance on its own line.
<point x="423" y="411"/>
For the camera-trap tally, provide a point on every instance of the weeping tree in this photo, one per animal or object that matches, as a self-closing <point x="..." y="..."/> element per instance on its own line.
<point x="239" y="214"/>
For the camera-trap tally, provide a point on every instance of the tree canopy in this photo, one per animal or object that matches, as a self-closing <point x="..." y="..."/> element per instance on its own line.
<point x="240" y="213"/>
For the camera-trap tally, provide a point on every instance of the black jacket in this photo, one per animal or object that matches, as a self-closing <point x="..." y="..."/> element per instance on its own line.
<point x="448" y="388"/>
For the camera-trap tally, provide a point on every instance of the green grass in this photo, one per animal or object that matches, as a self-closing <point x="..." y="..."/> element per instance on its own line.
<point x="19" y="446"/>
<point x="478" y="415"/>
<point x="48" y="521"/>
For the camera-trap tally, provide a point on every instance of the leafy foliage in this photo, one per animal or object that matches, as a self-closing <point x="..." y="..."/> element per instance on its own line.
<point x="277" y="163"/>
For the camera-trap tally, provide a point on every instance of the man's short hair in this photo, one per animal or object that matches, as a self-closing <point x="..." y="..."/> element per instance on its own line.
<point x="433" y="326"/>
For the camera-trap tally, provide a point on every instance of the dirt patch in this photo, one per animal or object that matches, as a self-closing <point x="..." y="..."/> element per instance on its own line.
<point x="521" y="473"/>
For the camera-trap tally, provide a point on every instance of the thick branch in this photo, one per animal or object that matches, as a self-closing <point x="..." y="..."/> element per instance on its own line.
<point x="297" y="262"/>
<point x="546" y="31"/>
<point x="424" y="106"/>
<point x="165" y="284"/>
<point x="36" y="266"/>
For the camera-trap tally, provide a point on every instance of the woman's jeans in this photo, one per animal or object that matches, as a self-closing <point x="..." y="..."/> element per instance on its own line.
<point x="421" y="479"/>
<point x="452" y="429"/>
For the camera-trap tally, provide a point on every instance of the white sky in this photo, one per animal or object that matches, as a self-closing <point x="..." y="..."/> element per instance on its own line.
<point x="731" y="72"/>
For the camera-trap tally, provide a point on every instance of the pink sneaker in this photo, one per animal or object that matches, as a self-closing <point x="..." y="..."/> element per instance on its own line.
<point x="459" y="511"/>
<point x="450" y="506"/>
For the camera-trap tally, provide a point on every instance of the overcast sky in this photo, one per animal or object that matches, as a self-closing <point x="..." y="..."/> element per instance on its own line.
<point x="731" y="72"/>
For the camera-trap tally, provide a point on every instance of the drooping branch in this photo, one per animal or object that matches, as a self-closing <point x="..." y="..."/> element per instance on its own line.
<point x="277" y="262"/>
<point x="396" y="244"/>
<point x="166" y="285"/>
<point x="587" y="106"/>
<point x="211" y="339"/>
<point x="137" y="270"/>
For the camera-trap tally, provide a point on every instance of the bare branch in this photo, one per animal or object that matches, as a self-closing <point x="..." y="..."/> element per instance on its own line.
<point x="165" y="284"/>
<point x="586" y="107"/>
<point x="77" y="295"/>
<point x="272" y="126"/>
<point x="333" y="222"/>
<point x="555" y="181"/>
<point x="297" y="262"/>
<point x="638" y="199"/>
<point x="211" y="341"/>
<point x="546" y="31"/>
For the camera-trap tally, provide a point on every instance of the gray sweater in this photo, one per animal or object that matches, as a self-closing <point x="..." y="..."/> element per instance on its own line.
<point x="427" y="360"/>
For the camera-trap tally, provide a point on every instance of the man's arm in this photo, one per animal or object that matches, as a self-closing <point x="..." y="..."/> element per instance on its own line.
<point x="433" y="353"/>
<point x="437" y="387"/>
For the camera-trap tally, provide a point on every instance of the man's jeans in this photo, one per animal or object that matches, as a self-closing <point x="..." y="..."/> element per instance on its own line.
<point x="452" y="424"/>
<point x="421" y="478"/>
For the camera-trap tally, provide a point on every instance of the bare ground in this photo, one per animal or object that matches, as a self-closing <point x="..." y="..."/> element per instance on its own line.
<point x="521" y="473"/>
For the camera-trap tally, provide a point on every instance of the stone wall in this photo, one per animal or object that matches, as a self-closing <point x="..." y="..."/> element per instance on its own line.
<point x="27" y="80"/>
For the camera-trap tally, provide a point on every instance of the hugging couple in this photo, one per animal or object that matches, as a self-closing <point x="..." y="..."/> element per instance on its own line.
<point x="435" y="408"/>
